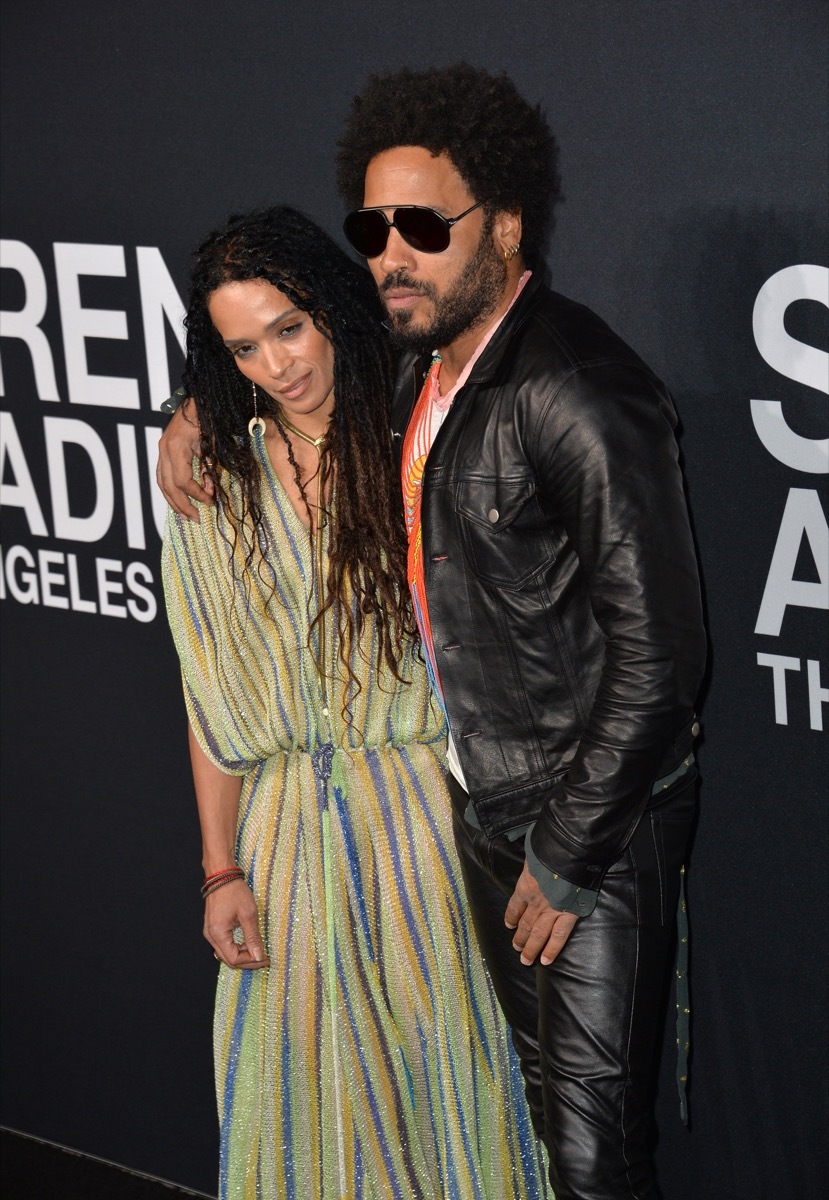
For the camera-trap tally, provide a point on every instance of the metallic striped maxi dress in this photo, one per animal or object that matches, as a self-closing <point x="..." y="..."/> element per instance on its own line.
<point x="370" y="1060"/>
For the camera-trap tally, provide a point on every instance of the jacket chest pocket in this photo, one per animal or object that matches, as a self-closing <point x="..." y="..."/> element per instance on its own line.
<point x="503" y="530"/>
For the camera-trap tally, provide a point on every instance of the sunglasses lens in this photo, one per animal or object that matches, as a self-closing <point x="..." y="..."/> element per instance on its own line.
<point x="423" y="229"/>
<point x="367" y="232"/>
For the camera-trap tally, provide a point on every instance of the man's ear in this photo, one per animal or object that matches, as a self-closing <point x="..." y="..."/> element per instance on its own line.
<point x="506" y="231"/>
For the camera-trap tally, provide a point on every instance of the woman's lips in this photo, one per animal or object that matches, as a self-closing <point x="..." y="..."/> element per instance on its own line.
<point x="294" y="390"/>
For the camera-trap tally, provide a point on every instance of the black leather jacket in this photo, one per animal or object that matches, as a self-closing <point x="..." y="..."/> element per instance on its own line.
<point x="561" y="581"/>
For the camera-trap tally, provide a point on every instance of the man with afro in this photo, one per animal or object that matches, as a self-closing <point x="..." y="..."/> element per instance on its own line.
<point x="555" y="585"/>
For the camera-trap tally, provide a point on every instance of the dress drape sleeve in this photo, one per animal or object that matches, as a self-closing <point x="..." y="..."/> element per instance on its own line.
<point x="227" y="704"/>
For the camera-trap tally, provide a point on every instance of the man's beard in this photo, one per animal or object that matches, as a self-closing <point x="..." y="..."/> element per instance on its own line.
<point x="474" y="296"/>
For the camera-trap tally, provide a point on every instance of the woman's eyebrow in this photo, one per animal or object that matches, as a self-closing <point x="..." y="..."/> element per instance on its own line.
<point x="289" y="312"/>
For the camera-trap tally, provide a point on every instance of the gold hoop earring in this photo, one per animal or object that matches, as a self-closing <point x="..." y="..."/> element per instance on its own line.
<point x="256" y="422"/>
<point x="510" y="252"/>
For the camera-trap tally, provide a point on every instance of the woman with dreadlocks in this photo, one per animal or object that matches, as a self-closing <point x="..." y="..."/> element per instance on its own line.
<point x="359" y="1048"/>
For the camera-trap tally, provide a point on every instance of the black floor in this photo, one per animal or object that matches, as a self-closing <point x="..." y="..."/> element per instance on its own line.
<point x="35" y="1170"/>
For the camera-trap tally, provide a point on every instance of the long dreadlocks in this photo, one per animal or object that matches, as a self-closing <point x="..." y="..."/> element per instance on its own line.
<point x="367" y="542"/>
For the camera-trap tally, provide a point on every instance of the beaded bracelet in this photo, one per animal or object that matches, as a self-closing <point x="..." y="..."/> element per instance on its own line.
<point x="221" y="875"/>
<point x="216" y="874"/>
<point x="214" y="887"/>
<point x="212" y="882"/>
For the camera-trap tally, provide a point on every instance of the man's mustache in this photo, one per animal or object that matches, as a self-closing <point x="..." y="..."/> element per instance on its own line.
<point x="400" y="279"/>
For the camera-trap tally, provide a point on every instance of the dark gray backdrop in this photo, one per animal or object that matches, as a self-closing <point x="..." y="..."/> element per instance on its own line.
<point x="692" y="139"/>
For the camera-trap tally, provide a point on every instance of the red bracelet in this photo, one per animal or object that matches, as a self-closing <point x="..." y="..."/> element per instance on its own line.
<point x="227" y="871"/>
<point x="228" y="875"/>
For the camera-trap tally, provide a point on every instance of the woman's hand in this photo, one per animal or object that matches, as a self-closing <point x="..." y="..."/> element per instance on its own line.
<point x="228" y="908"/>
<point x="178" y="445"/>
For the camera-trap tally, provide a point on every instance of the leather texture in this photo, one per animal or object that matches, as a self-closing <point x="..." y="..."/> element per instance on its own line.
<point x="562" y="581"/>
<point x="586" y="1027"/>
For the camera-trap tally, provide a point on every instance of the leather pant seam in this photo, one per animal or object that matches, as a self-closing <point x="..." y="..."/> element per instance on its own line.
<point x="631" y="1018"/>
<point x="659" y="850"/>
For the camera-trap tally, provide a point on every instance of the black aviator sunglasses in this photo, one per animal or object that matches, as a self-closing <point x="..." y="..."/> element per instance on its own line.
<point x="423" y="229"/>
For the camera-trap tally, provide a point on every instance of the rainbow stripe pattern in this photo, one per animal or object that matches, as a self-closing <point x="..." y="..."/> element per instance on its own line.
<point x="370" y="1060"/>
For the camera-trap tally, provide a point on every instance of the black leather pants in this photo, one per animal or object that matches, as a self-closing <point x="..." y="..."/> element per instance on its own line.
<point x="586" y="1027"/>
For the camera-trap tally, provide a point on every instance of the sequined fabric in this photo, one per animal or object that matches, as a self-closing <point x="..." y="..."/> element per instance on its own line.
<point x="370" y="1060"/>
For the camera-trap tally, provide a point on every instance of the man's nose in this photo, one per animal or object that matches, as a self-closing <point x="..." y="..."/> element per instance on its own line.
<point x="398" y="255"/>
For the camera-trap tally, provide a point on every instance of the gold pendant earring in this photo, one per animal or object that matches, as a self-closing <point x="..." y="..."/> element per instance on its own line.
<point x="256" y="422"/>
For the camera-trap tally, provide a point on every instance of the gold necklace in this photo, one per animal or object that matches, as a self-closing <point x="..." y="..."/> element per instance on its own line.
<point x="306" y="437"/>
<point x="316" y="544"/>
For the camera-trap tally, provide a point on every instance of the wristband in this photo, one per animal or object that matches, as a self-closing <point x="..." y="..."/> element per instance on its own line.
<point x="214" y="887"/>
<point x="216" y="874"/>
<point x="220" y="878"/>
